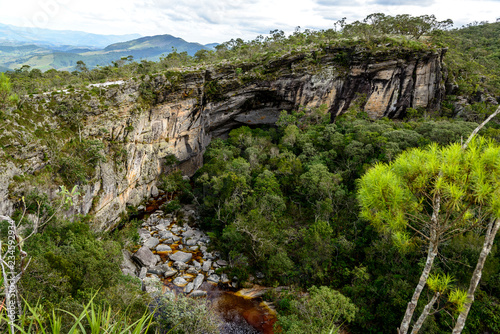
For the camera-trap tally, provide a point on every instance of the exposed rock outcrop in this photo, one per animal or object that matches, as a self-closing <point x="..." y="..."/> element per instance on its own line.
<point x="178" y="113"/>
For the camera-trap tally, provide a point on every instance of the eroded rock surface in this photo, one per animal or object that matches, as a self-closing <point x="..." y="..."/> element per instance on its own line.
<point x="185" y="110"/>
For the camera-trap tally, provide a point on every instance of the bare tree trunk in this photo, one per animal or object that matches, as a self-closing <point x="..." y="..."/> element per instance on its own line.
<point x="431" y="255"/>
<point x="425" y="314"/>
<point x="491" y="232"/>
<point x="476" y="130"/>
<point x="10" y="286"/>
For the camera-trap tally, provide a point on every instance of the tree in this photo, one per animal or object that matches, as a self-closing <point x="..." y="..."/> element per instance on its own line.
<point x="435" y="194"/>
<point x="16" y="240"/>
<point x="489" y="238"/>
<point x="6" y="96"/>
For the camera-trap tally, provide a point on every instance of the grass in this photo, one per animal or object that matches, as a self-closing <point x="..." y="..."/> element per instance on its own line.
<point x="92" y="320"/>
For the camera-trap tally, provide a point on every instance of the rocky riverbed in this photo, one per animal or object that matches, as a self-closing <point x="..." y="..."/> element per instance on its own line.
<point x="173" y="256"/>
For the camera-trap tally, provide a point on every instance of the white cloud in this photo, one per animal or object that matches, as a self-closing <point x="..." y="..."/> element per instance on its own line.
<point x="208" y="21"/>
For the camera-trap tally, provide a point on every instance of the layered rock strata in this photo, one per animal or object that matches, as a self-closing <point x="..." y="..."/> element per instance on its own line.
<point x="178" y="113"/>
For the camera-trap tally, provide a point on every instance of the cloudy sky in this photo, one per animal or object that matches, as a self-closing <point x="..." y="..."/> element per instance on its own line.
<point x="207" y="21"/>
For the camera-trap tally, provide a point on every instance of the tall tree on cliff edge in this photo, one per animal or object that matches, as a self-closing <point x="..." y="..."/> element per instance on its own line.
<point x="434" y="195"/>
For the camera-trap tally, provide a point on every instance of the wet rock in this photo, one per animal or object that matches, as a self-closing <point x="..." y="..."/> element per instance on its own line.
<point x="151" y="242"/>
<point x="179" y="281"/>
<point x="152" y="220"/>
<point x="214" y="278"/>
<point x="181" y="256"/>
<point x="170" y="273"/>
<point x="163" y="248"/>
<point x="198" y="281"/>
<point x="144" y="257"/>
<point x="207" y="265"/>
<point x="193" y="248"/>
<point x="180" y="247"/>
<point x="191" y="242"/>
<point x="189" y="287"/>
<point x="160" y="227"/>
<point x="224" y="279"/>
<point x="157" y="270"/>
<point x="165" y="221"/>
<point x="198" y="294"/>
<point x="197" y="265"/>
<point x="165" y="234"/>
<point x="192" y="270"/>
<point x="179" y="265"/>
<point x="158" y="259"/>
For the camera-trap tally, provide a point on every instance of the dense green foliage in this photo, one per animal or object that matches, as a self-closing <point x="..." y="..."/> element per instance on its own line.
<point x="282" y="201"/>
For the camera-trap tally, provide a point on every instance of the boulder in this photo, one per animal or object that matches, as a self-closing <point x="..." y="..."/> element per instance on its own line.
<point x="181" y="256"/>
<point x="154" y="191"/>
<point x="197" y="265"/>
<point x="207" y="265"/>
<point x="143" y="273"/>
<point x="151" y="242"/>
<point x="144" y="257"/>
<point x="165" y="234"/>
<point x="157" y="270"/>
<point x="163" y="248"/>
<point x="189" y="287"/>
<point x="179" y="281"/>
<point x="179" y="265"/>
<point x="170" y="273"/>
<point x="128" y="267"/>
<point x="214" y="278"/>
<point x="192" y="270"/>
<point x="143" y="234"/>
<point x="198" y="281"/>
<point x="191" y="242"/>
<point x="224" y="279"/>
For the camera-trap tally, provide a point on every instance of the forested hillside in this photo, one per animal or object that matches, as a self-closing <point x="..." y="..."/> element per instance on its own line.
<point x="335" y="214"/>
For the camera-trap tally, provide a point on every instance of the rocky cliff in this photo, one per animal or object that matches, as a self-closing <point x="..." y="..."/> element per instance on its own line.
<point x="180" y="112"/>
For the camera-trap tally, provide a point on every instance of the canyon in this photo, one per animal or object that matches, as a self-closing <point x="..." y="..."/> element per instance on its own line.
<point x="178" y="113"/>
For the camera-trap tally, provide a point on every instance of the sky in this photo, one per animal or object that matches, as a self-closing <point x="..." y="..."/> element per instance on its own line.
<point x="207" y="21"/>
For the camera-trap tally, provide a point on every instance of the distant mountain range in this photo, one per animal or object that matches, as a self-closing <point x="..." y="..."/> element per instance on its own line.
<point x="46" y="49"/>
<point x="59" y="38"/>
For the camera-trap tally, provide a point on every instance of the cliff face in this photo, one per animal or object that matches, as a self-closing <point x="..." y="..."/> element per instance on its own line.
<point x="190" y="108"/>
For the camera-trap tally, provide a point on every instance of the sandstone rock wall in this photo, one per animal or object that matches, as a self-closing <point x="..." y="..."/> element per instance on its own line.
<point x="187" y="109"/>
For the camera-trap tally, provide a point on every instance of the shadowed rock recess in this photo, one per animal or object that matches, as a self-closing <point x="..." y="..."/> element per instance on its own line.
<point x="180" y="112"/>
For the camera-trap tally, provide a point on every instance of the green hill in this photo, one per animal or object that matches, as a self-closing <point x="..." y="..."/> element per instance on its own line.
<point x="14" y="55"/>
<point x="159" y="43"/>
